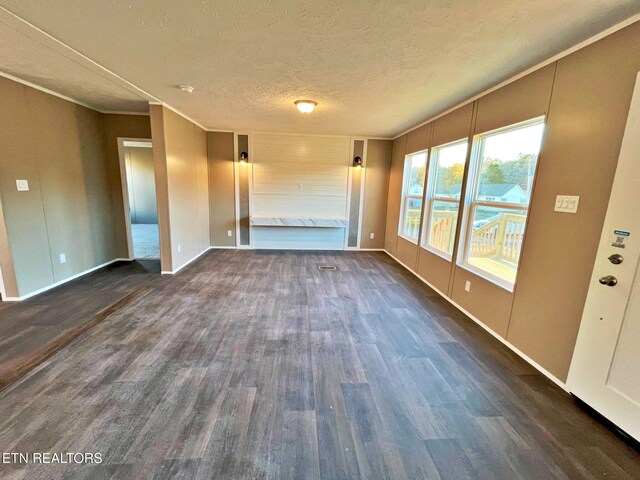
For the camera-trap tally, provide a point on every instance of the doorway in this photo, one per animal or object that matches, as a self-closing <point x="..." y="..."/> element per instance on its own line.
<point x="139" y="196"/>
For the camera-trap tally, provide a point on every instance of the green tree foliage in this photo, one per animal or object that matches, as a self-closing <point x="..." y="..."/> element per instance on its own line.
<point x="416" y="181"/>
<point x="492" y="172"/>
<point x="520" y="170"/>
<point x="452" y="176"/>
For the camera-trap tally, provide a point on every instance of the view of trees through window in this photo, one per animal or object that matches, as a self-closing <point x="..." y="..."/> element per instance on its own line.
<point x="496" y="204"/>
<point x="446" y="171"/>
<point x="498" y="211"/>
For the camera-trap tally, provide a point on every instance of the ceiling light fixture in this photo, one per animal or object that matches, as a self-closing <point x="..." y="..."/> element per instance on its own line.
<point x="186" y="88"/>
<point x="305" y="106"/>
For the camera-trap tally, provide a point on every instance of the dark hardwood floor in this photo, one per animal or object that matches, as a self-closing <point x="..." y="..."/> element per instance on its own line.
<point x="256" y="365"/>
<point x="32" y="330"/>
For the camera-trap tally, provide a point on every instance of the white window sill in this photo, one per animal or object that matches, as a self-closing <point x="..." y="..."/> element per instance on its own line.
<point x="509" y="287"/>
<point x="437" y="253"/>
<point x="409" y="239"/>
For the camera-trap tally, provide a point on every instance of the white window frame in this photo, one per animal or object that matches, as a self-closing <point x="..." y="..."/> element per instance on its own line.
<point x="470" y="202"/>
<point x="404" y="199"/>
<point x="430" y="198"/>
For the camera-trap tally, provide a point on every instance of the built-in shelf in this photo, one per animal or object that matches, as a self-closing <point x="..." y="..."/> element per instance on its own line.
<point x="299" y="222"/>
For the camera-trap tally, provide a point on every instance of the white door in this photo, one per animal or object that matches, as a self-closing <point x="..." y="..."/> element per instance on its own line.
<point x="605" y="370"/>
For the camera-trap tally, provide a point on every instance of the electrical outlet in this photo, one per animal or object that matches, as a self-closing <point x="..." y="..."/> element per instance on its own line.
<point x="300" y="187"/>
<point x="567" y="203"/>
<point x="467" y="286"/>
<point x="372" y="235"/>
<point x="179" y="248"/>
<point x="63" y="258"/>
<point x="229" y="233"/>
<point x="22" y="185"/>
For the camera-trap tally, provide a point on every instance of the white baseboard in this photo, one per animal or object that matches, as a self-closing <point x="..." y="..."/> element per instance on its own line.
<point x="173" y="272"/>
<point x="370" y="250"/>
<point x="214" y="247"/>
<point x="62" y="282"/>
<point x="513" y="348"/>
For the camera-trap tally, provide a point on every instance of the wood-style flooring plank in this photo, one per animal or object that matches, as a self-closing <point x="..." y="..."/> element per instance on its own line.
<point x="258" y="365"/>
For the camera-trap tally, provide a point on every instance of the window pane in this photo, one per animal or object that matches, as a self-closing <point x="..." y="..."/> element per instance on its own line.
<point x="508" y="165"/>
<point x="417" y="171"/>
<point x="496" y="241"/>
<point x="412" y="209"/>
<point x="449" y="169"/>
<point x="442" y="230"/>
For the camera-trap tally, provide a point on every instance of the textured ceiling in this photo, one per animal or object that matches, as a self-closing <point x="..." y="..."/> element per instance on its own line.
<point x="30" y="55"/>
<point x="375" y="67"/>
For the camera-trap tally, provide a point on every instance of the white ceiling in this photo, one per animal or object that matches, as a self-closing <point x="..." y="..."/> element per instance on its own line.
<point x="34" y="57"/>
<point x="375" y="67"/>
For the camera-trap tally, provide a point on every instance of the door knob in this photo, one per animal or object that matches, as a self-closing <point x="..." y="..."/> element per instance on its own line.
<point x="616" y="259"/>
<point x="609" y="281"/>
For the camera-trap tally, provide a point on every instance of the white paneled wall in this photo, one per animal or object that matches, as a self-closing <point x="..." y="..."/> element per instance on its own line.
<point x="299" y="176"/>
<point x="298" y="238"/>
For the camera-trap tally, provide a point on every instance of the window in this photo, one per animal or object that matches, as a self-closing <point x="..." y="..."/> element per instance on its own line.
<point x="500" y="190"/>
<point x="415" y="169"/>
<point x="446" y="170"/>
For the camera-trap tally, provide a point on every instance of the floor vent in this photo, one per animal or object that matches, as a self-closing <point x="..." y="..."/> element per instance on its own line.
<point x="326" y="267"/>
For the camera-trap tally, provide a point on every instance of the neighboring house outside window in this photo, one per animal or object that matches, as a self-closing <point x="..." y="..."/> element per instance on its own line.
<point x="499" y="189"/>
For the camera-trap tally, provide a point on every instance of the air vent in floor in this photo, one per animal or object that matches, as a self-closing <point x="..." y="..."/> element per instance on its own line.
<point x="326" y="267"/>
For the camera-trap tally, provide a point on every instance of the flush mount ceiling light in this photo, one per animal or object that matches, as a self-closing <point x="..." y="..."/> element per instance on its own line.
<point x="305" y="106"/>
<point x="186" y="88"/>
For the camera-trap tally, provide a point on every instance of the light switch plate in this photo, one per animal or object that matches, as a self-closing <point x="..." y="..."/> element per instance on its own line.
<point x="467" y="286"/>
<point x="63" y="258"/>
<point x="567" y="203"/>
<point x="22" y="185"/>
<point x="372" y="236"/>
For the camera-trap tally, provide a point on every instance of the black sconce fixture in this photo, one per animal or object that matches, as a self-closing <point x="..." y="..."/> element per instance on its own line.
<point x="357" y="162"/>
<point x="244" y="157"/>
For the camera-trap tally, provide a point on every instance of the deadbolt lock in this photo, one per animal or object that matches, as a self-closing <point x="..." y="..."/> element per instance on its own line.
<point x="616" y="259"/>
<point x="608" y="280"/>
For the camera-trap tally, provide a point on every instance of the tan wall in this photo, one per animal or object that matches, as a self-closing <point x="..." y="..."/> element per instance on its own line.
<point x="124" y="126"/>
<point x="181" y="187"/>
<point x="156" y="113"/>
<point x="59" y="147"/>
<point x="586" y="97"/>
<point x="419" y="139"/>
<point x="589" y="108"/>
<point x="202" y="179"/>
<point x="222" y="191"/>
<point x="416" y="140"/>
<point x="222" y="210"/>
<point x="394" y="193"/>
<point x="454" y="126"/>
<point x="376" y="189"/>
